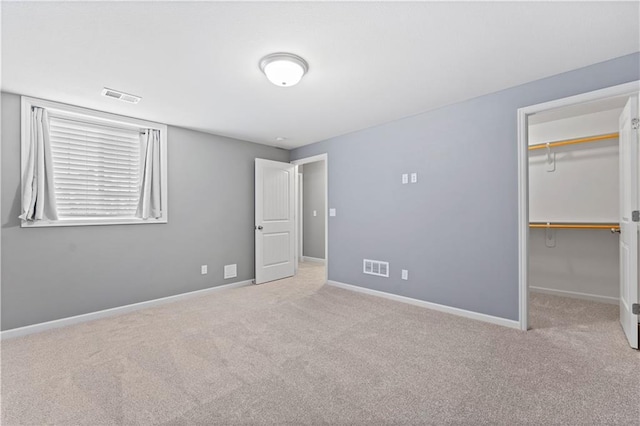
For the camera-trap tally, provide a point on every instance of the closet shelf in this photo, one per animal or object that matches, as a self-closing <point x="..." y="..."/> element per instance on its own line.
<point x="573" y="141"/>
<point x="550" y="225"/>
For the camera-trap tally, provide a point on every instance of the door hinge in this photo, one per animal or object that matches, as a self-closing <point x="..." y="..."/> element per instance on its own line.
<point x="635" y="309"/>
<point x="635" y="123"/>
<point x="635" y="215"/>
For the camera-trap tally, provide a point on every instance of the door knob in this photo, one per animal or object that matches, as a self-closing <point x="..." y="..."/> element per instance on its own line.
<point x="259" y="227"/>
<point x="615" y="231"/>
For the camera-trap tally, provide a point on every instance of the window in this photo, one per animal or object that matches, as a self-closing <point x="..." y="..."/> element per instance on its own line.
<point x="98" y="164"/>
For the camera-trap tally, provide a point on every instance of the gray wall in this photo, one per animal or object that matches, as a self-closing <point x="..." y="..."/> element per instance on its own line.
<point x="51" y="273"/>
<point x="313" y="195"/>
<point x="456" y="229"/>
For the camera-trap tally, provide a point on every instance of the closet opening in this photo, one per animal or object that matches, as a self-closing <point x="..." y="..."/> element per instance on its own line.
<point x="579" y="189"/>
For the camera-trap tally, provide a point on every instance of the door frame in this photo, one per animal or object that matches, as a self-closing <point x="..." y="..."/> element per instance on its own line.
<point x="300" y="215"/>
<point x="523" y="178"/>
<point x="313" y="159"/>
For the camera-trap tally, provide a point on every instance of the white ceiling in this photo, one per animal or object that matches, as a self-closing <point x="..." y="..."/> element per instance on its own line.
<point x="195" y="64"/>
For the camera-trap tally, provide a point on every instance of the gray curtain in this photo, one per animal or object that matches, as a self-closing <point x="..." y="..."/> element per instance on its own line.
<point x="38" y="192"/>
<point x="149" y="203"/>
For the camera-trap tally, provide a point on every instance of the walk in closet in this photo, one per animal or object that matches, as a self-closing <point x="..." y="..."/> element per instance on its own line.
<point x="574" y="201"/>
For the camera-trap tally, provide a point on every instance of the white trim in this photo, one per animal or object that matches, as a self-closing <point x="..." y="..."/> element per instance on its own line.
<point x="90" y="222"/>
<point x="98" y="117"/>
<point x="296" y="218"/>
<point x="312" y="159"/>
<point x="105" y="313"/>
<point x="322" y="157"/>
<point x="523" y="184"/>
<point x="523" y="220"/>
<point x="312" y="259"/>
<point x="576" y="295"/>
<point x="300" y="212"/>
<point x="429" y="305"/>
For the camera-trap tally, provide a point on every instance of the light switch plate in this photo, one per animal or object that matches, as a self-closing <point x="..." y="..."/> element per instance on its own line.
<point x="332" y="212"/>
<point x="405" y="274"/>
<point x="203" y="270"/>
<point x="315" y="213"/>
<point x="414" y="177"/>
<point x="405" y="178"/>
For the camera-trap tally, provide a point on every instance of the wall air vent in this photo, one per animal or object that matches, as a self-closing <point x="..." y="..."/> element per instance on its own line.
<point x="375" y="267"/>
<point x="125" y="97"/>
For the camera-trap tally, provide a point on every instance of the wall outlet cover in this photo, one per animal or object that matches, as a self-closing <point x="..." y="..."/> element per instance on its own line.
<point x="332" y="212"/>
<point x="405" y="178"/>
<point x="414" y="177"/>
<point x="405" y="274"/>
<point x="203" y="270"/>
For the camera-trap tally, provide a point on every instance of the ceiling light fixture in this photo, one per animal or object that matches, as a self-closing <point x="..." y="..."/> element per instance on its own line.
<point x="284" y="69"/>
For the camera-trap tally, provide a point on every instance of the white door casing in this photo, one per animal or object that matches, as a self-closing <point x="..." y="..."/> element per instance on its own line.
<point x="325" y="159"/>
<point x="274" y="220"/>
<point x="629" y="198"/>
<point x="299" y="212"/>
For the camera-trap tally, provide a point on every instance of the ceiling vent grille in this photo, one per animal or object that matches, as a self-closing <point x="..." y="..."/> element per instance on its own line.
<point x="375" y="267"/>
<point x="125" y="97"/>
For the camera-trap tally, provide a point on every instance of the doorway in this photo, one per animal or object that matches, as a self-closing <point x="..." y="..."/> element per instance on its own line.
<point x="312" y="218"/>
<point x="570" y="211"/>
<point x="278" y="228"/>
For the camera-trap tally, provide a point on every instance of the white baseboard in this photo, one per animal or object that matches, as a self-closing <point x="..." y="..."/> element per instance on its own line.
<point x="91" y="316"/>
<point x="312" y="259"/>
<point x="576" y="295"/>
<point x="429" y="305"/>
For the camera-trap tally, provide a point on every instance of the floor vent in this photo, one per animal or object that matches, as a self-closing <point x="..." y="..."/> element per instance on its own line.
<point x="375" y="267"/>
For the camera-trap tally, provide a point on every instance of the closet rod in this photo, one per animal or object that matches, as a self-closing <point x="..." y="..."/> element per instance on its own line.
<point x="610" y="226"/>
<point x="573" y="141"/>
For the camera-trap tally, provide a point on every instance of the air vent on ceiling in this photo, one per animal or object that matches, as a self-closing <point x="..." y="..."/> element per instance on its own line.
<point x="125" y="97"/>
<point x="375" y="267"/>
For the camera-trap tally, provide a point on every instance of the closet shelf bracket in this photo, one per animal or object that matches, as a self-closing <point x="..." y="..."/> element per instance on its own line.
<point x="551" y="159"/>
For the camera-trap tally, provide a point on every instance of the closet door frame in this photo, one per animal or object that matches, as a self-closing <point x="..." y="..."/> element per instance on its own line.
<point x="523" y="178"/>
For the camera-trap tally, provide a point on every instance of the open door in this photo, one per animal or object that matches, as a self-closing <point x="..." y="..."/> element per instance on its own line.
<point x="629" y="219"/>
<point x="275" y="224"/>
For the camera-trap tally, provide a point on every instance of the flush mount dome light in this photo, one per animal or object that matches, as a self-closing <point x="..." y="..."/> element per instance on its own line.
<point x="284" y="69"/>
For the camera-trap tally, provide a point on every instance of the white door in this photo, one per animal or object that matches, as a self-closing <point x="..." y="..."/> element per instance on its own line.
<point x="628" y="228"/>
<point x="275" y="224"/>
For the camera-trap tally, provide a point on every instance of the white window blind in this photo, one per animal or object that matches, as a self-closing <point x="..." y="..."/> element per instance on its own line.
<point x="96" y="169"/>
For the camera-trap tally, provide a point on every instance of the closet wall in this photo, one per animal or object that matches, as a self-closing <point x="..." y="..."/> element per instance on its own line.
<point x="582" y="187"/>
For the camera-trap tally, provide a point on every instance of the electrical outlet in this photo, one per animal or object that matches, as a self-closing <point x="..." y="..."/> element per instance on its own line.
<point x="332" y="212"/>
<point x="405" y="178"/>
<point x="203" y="270"/>
<point x="315" y="213"/>
<point x="405" y="274"/>
<point x="414" y="177"/>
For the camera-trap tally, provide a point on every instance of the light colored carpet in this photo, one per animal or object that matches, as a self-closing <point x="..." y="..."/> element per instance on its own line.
<point x="297" y="352"/>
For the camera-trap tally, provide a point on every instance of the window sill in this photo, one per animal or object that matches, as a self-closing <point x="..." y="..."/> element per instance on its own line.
<point x="89" y="222"/>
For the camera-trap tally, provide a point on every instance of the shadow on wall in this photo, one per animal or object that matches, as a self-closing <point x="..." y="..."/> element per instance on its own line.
<point x="13" y="220"/>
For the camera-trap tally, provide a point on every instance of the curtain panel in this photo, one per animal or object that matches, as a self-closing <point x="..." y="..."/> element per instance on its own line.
<point x="38" y="191"/>
<point x="149" y="205"/>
